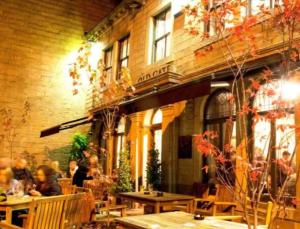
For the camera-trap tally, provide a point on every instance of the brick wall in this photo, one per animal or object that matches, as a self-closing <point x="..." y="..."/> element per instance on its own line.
<point x="38" y="39"/>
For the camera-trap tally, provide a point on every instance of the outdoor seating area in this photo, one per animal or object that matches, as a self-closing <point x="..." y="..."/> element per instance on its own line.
<point x="150" y="114"/>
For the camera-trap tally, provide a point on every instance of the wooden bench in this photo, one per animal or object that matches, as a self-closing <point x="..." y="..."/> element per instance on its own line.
<point x="58" y="212"/>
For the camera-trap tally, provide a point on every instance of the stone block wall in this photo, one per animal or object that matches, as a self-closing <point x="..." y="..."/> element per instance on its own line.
<point x="38" y="40"/>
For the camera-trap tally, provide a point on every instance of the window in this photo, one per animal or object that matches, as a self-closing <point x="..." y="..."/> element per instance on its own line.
<point x="216" y="117"/>
<point x="108" y="61"/>
<point x="157" y="131"/>
<point x="162" y="35"/>
<point x="123" y="54"/>
<point x="255" y="5"/>
<point x="272" y="137"/>
<point x="120" y="141"/>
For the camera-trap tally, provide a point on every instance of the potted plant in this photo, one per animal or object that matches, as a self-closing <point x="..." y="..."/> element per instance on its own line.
<point x="154" y="170"/>
<point x="123" y="183"/>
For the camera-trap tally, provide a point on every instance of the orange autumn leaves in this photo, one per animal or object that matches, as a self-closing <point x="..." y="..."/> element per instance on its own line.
<point x="104" y="90"/>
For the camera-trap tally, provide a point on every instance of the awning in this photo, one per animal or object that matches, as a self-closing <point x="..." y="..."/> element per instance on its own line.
<point x="64" y="126"/>
<point x="163" y="97"/>
<point x="154" y="99"/>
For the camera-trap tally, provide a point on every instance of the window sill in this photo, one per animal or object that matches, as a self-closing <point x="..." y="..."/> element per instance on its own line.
<point x="214" y="38"/>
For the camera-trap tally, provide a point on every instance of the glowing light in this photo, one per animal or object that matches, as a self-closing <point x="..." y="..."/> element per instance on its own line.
<point x="290" y="90"/>
<point x="96" y="52"/>
<point x="178" y="5"/>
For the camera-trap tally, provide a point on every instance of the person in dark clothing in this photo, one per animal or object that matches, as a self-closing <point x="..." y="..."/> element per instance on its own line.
<point x="21" y="172"/>
<point x="72" y="168"/>
<point x="47" y="184"/>
<point x="81" y="175"/>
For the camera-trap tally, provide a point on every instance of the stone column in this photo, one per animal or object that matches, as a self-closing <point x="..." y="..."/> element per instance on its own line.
<point x="169" y="153"/>
<point x="136" y="142"/>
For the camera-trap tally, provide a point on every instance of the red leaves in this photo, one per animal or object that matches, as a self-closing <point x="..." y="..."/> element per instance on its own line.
<point x="255" y="84"/>
<point x="296" y="202"/>
<point x="254" y="175"/>
<point x="203" y="145"/>
<point x="203" y="52"/>
<point x="267" y="74"/>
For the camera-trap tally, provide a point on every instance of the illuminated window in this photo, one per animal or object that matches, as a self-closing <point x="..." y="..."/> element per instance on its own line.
<point x="120" y="140"/>
<point x="108" y="62"/>
<point x="285" y="138"/>
<point x="255" y="5"/>
<point x="272" y="137"/>
<point x="123" y="54"/>
<point x="162" y="35"/>
<point x="217" y="113"/>
<point x="157" y="131"/>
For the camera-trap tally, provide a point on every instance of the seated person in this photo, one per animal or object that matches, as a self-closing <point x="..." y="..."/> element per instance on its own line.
<point x="21" y="172"/>
<point x="55" y="167"/>
<point x="8" y="184"/>
<point x="11" y="186"/>
<point x="72" y="168"/>
<point x="47" y="184"/>
<point x="80" y="176"/>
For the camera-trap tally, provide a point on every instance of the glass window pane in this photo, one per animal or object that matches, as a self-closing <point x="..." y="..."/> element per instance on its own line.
<point x="158" y="141"/>
<point x="124" y="63"/>
<point x="160" y="28"/>
<point x="168" y="22"/>
<point x="219" y="106"/>
<point x="168" y="46"/>
<point x="157" y="118"/>
<point x="256" y="4"/>
<point x="262" y="138"/>
<point x="160" y="50"/>
<point x="285" y="136"/>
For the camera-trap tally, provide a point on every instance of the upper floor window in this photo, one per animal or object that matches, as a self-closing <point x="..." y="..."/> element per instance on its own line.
<point x="123" y="54"/>
<point x="108" y="63"/>
<point x="162" y="35"/>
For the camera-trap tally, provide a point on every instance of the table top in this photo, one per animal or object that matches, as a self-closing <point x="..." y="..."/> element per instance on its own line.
<point x="13" y="200"/>
<point x="154" y="198"/>
<point x="178" y="220"/>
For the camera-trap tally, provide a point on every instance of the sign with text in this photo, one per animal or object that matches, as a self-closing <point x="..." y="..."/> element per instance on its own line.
<point x="155" y="73"/>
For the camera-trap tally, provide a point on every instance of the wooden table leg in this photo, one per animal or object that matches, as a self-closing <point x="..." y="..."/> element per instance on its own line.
<point x="8" y="215"/>
<point x="190" y="207"/>
<point x="157" y="208"/>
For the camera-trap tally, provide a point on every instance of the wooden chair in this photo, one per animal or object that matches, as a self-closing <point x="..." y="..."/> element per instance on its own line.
<point x="89" y="204"/>
<point x="219" y="202"/>
<point x="74" y="216"/>
<point x="264" y="214"/>
<point x="46" y="213"/>
<point x="66" y="186"/>
<point x="100" y="190"/>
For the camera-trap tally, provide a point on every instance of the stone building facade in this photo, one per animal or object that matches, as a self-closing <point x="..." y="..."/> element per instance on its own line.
<point x="39" y="39"/>
<point x="140" y="31"/>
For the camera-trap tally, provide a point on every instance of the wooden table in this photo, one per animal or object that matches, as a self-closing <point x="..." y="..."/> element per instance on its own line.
<point x="168" y="199"/>
<point x="15" y="203"/>
<point x="177" y="220"/>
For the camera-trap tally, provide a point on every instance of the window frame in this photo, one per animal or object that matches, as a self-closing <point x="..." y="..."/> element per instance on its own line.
<point x="164" y="37"/>
<point x="120" y="52"/>
<point x="110" y="67"/>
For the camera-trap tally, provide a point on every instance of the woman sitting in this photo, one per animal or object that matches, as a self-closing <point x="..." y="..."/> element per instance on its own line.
<point x="47" y="184"/>
<point x="9" y="185"/>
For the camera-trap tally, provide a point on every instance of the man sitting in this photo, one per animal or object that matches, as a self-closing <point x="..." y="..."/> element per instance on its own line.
<point x="21" y="172"/>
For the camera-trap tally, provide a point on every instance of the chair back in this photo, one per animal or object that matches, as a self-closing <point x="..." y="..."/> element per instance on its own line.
<point x="73" y="210"/>
<point x="264" y="212"/>
<point x="224" y="194"/>
<point x="46" y="213"/>
<point x="99" y="188"/>
<point x="66" y="186"/>
<point x="88" y="202"/>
